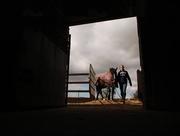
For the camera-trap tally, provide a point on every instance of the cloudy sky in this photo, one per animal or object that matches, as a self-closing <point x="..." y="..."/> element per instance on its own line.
<point x="104" y="45"/>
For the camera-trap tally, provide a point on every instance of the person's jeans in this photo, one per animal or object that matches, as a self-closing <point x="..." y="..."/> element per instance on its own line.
<point x="123" y="90"/>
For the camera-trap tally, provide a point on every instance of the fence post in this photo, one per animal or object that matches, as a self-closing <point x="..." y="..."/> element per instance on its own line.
<point x="91" y="82"/>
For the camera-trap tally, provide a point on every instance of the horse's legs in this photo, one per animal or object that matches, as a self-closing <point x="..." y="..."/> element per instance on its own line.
<point x="109" y="93"/>
<point x="101" y="94"/>
<point x="97" y="95"/>
<point x="113" y="92"/>
<point x="99" y="91"/>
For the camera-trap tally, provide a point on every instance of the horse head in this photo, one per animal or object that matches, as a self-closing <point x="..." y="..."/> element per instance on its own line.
<point x="113" y="70"/>
<point x="114" y="73"/>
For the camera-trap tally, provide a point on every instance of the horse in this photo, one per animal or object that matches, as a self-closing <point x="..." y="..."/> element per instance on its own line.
<point x="106" y="80"/>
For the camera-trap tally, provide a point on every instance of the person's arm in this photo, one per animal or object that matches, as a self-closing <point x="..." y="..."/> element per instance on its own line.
<point x="129" y="79"/>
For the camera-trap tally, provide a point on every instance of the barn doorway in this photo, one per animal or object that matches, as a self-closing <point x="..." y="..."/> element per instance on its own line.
<point x="102" y="45"/>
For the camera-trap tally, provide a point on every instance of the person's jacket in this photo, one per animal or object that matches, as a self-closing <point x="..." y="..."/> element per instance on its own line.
<point x="123" y="76"/>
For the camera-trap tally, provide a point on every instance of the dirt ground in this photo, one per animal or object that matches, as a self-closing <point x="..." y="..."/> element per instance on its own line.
<point x="95" y="119"/>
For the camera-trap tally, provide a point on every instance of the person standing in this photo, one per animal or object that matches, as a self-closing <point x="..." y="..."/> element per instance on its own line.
<point x="122" y="78"/>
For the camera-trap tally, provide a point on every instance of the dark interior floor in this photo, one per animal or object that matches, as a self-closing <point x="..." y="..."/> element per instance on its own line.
<point x="91" y="120"/>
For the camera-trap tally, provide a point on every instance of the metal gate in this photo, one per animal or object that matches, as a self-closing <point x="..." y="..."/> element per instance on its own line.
<point x="91" y="76"/>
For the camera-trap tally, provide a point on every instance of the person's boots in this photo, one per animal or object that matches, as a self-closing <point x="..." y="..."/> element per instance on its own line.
<point x="124" y="99"/>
